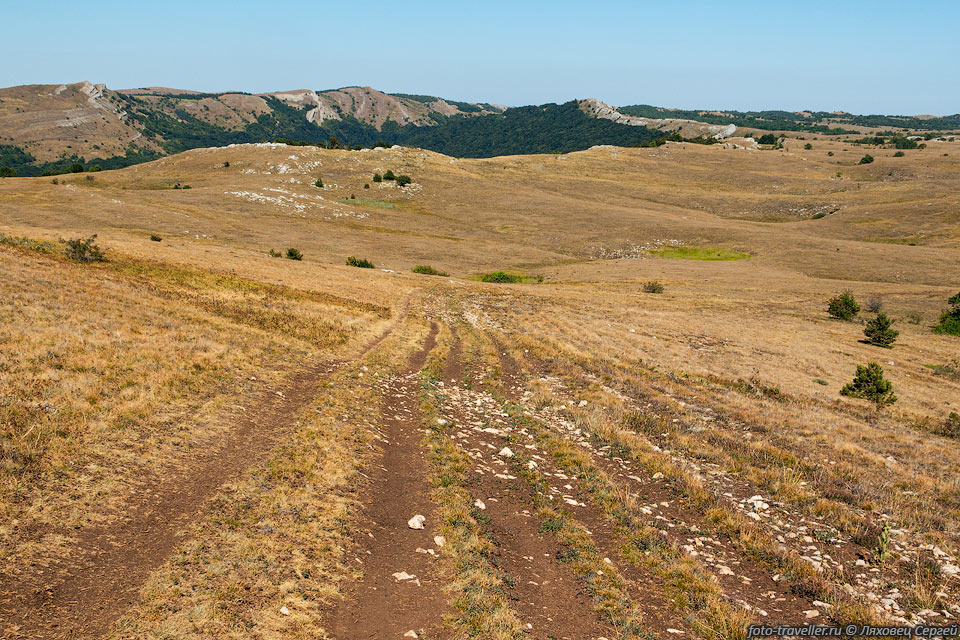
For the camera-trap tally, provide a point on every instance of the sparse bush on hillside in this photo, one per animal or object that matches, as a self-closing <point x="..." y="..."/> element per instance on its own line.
<point x="768" y="138"/>
<point x="318" y="183"/>
<point x="84" y="250"/>
<point x="226" y="165"/>
<point x="366" y="185"/>
<point x="869" y="384"/>
<point x="950" y="319"/>
<point x="403" y="181"/>
<point x="653" y="286"/>
<point x="7" y="172"/>
<point x="388" y="175"/>
<point x="294" y="254"/>
<point x="843" y="306"/>
<point x="830" y="153"/>
<point x="274" y="253"/>
<point x="428" y="270"/>
<point x="377" y="177"/>
<point x="879" y="331"/>
<point x="950" y="427"/>
<point x="874" y="305"/>
<point x="501" y="277"/>
<point x="808" y="146"/>
<point x="866" y="159"/>
<point x="154" y="237"/>
<point x="899" y="154"/>
<point x="362" y="263"/>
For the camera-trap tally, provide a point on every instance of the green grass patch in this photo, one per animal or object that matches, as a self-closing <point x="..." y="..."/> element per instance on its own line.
<point x="698" y="253"/>
<point x="369" y="202"/>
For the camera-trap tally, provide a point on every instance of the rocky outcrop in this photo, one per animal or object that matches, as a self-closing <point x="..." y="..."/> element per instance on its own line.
<point x="690" y="128"/>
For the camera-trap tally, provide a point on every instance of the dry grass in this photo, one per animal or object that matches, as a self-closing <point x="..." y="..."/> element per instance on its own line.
<point x="110" y="371"/>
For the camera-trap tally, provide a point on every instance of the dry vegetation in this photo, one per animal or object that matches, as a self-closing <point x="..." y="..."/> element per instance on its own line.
<point x="685" y="459"/>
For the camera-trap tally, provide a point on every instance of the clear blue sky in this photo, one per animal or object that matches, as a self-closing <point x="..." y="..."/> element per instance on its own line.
<point x="862" y="56"/>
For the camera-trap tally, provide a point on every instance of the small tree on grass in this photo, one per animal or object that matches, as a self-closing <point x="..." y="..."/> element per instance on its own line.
<point x="869" y="384"/>
<point x="84" y="250"/>
<point x="879" y="331"/>
<point x="866" y="159"/>
<point x="294" y="254"/>
<point x="377" y="177"/>
<point x="388" y="175"/>
<point x="808" y="146"/>
<point x="843" y="306"/>
<point x="950" y="319"/>
<point x="403" y="181"/>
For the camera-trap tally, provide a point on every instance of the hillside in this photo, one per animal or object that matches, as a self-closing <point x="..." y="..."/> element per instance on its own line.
<point x="49" y="128"/>
<point x="202" y="438"/>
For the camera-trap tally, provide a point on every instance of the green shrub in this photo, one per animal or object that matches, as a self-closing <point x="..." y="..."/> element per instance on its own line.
<point x="869" y="384"/>
<point x="95" y="168"/>
<point x="403" y="181"/>
<point x="294" y="254"/>
<point x="428" y="270"/>
<point x="84" y="250"/>
<point x="653" y="286"/>
<point x="879" y="331"/>
<point x="866" y="159"/>
<point x="377" y="177"/>
<point x="899" y="154"/>
<point x="363" y="263"/>
<point x="318" y="184"/>
<point x="366" y="185"/>
<point x="818" y="215"/>
<point x="950" y="427"/>
<point x="7" y="172"/>
<point x="501" y="277"/>
<point x="226" y="164"/>
<point x="808" y="146"/>
<point x="830" y="153"/>
<point x="155" y="237"/>
<point x="950" y="319"/>
<point x="388" y="175"/>
<point x="843" y="306"/>
<point x="274" y="254"/>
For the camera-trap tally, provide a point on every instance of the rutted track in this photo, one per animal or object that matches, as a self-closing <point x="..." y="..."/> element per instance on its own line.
<point x="81" y="595"/>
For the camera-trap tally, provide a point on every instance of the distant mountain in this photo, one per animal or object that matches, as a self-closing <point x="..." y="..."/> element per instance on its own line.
<point x="54" y="128"/>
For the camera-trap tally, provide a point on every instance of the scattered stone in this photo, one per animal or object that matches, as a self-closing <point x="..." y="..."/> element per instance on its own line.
<point x="812" y="613"/>
<point x="284" y="611"/>
<point x="478" y="503"/>
<point x="439" y="541"/>
<point x="411" y="634"/>
<point x="416" y="522"/>
<point x="505" y="453"/>
<point x="400" y="576"/>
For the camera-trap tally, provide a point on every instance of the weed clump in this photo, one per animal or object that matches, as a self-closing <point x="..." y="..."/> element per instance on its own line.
<point x="84" y="250"/>
<point x="362" y="263"/>
<point x="879" y="331"/>
<point x="428" y="270"/>
<point x="653" y="286"/>
<point x="501" y="277"/>
<point x="843" y="306"/>
<point x="950" y="427"/>
<point x="950" y="319"/>
<point x="274" y="253"/>
<point x="318" y="184"/>
<point x="870" y="384"/>
<point x="294" y="254"/>
<point x="155" y="238"/>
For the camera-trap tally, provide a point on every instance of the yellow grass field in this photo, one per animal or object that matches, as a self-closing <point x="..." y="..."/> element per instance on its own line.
<point x="198" y="439"/>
